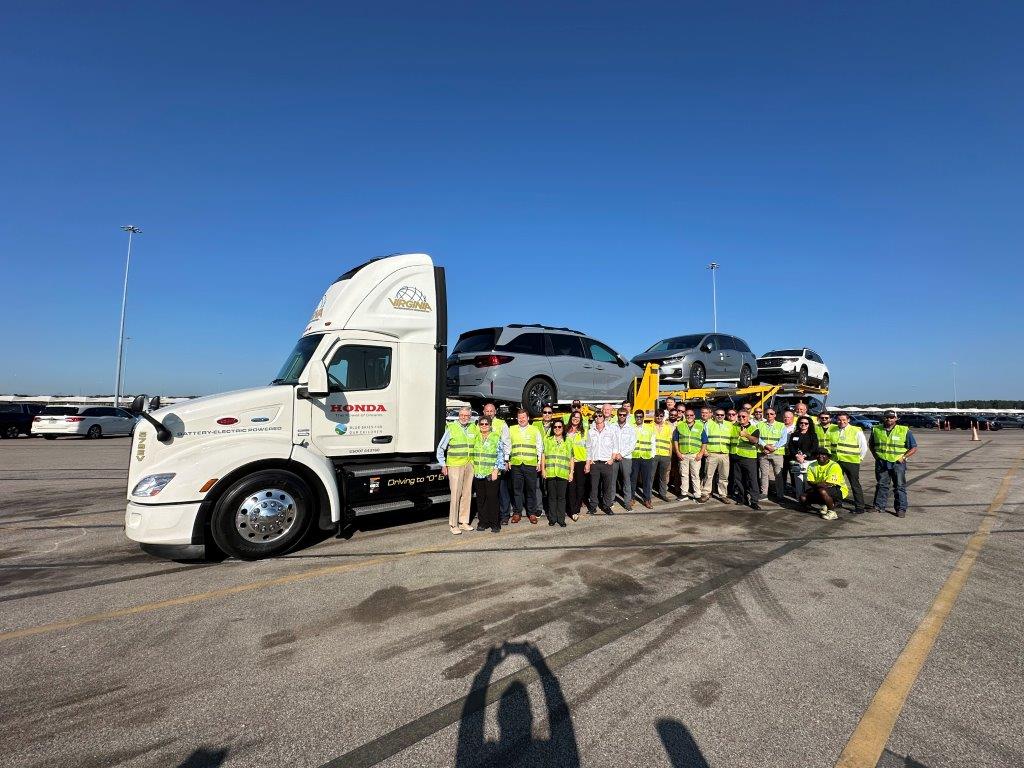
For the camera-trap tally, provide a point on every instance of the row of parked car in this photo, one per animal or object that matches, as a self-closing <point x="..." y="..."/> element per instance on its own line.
<point x="53" y="421"/>
<point x="538" y="364"/>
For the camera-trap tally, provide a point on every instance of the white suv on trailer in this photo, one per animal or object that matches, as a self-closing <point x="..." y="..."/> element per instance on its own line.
<point x="798" y="365"/>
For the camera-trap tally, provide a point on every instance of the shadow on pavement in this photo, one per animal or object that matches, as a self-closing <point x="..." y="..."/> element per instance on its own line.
<point x="680" y="746"/>
<point x="516" y="743"/>
<point x="203" y="757"/>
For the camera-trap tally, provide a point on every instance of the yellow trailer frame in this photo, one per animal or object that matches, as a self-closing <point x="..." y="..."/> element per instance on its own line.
<point x="648" y="391"/>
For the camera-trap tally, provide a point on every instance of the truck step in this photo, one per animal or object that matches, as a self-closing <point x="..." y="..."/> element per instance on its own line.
<point x="388" y="469"/>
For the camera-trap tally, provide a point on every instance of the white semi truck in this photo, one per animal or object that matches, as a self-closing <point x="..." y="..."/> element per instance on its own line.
<point x="348" y="427"/>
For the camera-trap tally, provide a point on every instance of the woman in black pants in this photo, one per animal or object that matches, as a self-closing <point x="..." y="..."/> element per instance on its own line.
<point x="487" y="463"/>
<point x="803" y="440"/>
<point x="556" y="468"/>
<point x="576" y="436"/>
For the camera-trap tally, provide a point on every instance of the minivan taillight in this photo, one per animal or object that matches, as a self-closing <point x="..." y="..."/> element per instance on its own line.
<point x="486" y="361"/>
<point x="73" y="418"/>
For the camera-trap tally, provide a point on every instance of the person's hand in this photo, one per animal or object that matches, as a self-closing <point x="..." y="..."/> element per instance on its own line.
<point x="494" y="474"/>
<point x="538" y="468"/>
<point x="544" y="474"/>
<point x="769" y="449"/>
<point x="610" y="462"/>
<point x="901" y="460"/>
<point x="444" y="470"/>
<point x="586" y="468"/>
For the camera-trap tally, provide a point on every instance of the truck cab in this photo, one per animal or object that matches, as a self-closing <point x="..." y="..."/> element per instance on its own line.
<point x="348" y="427"/>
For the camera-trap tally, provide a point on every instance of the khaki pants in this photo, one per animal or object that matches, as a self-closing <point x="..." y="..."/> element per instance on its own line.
<point x="460" y="481"/>
<point x="689" y="475"/>
<point x="770" y="466"/>
<point x="717" y="463"/>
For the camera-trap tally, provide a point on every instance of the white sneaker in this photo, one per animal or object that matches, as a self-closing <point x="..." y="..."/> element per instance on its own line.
<point x="455" y="531"/>
<point x="829" y="514"/>
<point x="465" y="527"/>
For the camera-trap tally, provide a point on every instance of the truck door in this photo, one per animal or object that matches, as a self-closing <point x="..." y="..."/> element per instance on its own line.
<point x="360" y="415"/>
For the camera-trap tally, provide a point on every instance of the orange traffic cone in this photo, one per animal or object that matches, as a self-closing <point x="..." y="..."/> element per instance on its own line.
<point x="974" y="432"/>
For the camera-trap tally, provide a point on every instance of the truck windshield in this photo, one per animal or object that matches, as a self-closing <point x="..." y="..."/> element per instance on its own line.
<point x="295" y="364"/>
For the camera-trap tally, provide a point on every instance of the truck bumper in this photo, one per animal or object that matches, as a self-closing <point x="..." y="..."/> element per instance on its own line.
<point x="161" y="523"/>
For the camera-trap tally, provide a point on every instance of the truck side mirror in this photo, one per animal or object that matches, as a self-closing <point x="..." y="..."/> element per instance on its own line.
<point x="318" y="386"/>
<point x="137" y="403"/>
<point x="154" y="403"/>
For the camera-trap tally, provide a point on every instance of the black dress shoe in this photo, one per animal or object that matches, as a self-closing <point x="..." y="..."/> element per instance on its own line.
<point x="609" y="512"/>
<point x="562" y="525"/>
<point x="495" y="529"/>
<point x="481" y="527"/>
<point x="756" y="507"/>
<point x="550" y="521"/>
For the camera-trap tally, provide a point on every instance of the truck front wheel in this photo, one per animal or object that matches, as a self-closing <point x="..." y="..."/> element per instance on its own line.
<point x="262" y="514"/>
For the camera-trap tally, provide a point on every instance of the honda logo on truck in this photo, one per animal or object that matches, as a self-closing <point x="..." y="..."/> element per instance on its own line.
<point x="359" y="408"/>
<point x="408" y="297"/>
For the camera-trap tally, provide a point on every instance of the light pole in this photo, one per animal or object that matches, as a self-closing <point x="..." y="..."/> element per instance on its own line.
<point x="714" y="294"/>
<point x="956" y="404"/>
<point x="131" y="230"/>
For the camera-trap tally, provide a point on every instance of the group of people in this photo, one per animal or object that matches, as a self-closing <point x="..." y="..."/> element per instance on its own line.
<point x="559" y="465"/>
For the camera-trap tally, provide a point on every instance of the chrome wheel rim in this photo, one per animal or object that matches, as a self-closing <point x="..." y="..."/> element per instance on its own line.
<point x="539" y="394"/>
<point x="265" y="516"/>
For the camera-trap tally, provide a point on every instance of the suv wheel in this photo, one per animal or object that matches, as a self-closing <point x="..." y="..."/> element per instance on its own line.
<point x="824" y="381"/>
<point x="95" y="432"/>
<point x="537" y="393"/>
<point x="801" y="378"/>
<point x="697" y="376"/>
<point x="745" y="376"/>
<point x="11" y="431"/>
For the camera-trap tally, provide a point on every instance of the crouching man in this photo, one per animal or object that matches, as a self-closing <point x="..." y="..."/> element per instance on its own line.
<point x="825" y="486"/>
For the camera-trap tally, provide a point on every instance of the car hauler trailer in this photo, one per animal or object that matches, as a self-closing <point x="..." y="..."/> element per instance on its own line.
<point x="348" y="428"/>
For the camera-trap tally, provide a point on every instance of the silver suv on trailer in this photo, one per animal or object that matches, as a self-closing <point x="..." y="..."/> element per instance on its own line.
<point x="700" y="358"/>
<point x="534" y="365"/>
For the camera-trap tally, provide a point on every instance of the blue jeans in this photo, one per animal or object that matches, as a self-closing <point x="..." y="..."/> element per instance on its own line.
<point x="642" y="470"/>
<point x="505" y="496"/>
<point x="887" y="472"/>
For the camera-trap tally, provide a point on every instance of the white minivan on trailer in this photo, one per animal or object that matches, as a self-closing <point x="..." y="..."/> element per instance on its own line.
<point x="348" y="428"/>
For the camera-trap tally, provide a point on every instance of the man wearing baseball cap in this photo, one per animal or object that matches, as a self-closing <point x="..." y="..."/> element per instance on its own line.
<point x="891" y="444"/>
<point x="825" y="484"/>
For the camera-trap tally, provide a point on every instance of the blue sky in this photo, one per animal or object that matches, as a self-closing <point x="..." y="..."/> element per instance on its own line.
<point x="855" y="168"/>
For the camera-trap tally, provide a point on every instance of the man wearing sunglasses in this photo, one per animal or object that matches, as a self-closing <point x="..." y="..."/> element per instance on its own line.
<point x="717" y="439"/>
<point x="891" y="444"/>
<point x="543" y="426"/>
<point x="602" y="445"/>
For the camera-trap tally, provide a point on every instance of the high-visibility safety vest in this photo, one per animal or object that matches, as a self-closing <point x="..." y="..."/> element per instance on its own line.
<point x="557" y="458"/>
<point x="734" y="438"/>
<point x="829" y="438"/>
<point x="643" y="442"/>
<point x="719" y="436"/>
<point x="846" y="446"/>
<point x="820" y="433"/>
<point x="830" y="473"/>
<point x="689" y="437"/>
<point x="744" y="448"/>
<point x="890" y="446"/>
<point x="578" y="440"/>
<point x="524" y="445"/>
<point x="771" y="434"/>
<point x="460" y="445"/>
<point x="544" y="432"/>
<point x="664" y="439"/>
<point x="485" y="453"/>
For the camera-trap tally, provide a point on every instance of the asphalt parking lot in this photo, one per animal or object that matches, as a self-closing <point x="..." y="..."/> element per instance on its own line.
<point x="684" y="636"/>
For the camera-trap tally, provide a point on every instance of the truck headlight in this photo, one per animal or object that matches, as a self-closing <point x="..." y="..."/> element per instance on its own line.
<point x="151" y="485"/>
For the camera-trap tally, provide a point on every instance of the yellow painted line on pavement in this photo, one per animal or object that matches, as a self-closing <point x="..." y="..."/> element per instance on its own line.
<point x="327" y="570"/>
<point x="865" y="746"/>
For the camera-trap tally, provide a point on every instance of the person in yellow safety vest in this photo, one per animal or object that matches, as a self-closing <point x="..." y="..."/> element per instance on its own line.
<point x="500" y="428"/>
<point x="663" y="452"/>
<point x="689" y="449"/>
<point x="748" y="442"/>
<point x="488" y="461"/>
<point x="717" y="439"/>
<point x="643" y="459"/>
<point x="825" y="484"/>
<point x="576" y="407"/>
<point x="576" y="435"/>
<point x="822" y="427"/>
<point x="524" y="459"/>
<point x="543" y="425"/>
<point x="772" y="459"/>
<point x="455" y="455"/>
<point x="891" y="444"/>
<point x="735" y="493"/>
<point x="557" y="469"/>
<point x="849" y="447"/>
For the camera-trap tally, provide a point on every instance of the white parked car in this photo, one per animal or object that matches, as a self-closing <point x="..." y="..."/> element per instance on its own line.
<point x="90" y="421"/>
<point x="800" y="366"/>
